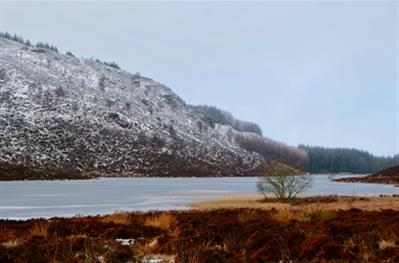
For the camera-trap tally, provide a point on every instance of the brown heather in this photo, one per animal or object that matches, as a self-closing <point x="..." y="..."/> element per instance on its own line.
<point x="306" y="230"/>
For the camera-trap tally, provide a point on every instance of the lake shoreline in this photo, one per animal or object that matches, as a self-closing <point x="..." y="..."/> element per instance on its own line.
<point x="94" y="176"/>
<point x="67" y="198"/>
<point x="303" y="202"/>
<point x="19" y="172"/>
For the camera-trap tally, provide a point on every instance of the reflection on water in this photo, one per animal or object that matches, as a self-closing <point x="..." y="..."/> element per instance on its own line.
<point x="26" y="199"/>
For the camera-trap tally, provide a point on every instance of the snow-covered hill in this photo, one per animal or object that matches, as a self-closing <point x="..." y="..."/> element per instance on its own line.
<point x="61" y="111"/>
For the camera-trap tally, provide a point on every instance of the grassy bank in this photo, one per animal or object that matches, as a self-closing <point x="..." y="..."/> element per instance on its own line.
<point x="221" y="235"/>
<point x="367" y="203"/>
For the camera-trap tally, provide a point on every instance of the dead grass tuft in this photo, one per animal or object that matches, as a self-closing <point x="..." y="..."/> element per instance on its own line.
<point x="11" y="243"/>
<point x="39" y="229"/>
<point x="305" y="214"/>
<point x="284" y="215"/>
<point x="246" y="217"/>
<point x="153" y="244"/>
<point x="77" y="236"/>
<point x="163" y="221"/>
<point x="117" y="218"/>
<point x="384" y="244"/>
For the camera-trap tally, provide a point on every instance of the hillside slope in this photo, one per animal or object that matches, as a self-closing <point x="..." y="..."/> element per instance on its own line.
<point x="59" y="111"/>
<point x="386" y="176"/>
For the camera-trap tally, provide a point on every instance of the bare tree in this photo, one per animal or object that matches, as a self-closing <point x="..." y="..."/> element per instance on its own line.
<point x="283" y="181"/>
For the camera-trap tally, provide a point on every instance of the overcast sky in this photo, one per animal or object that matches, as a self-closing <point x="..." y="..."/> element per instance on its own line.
<point x="312" y="72"/>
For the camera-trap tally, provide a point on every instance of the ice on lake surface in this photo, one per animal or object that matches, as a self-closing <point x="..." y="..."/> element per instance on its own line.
<point x="32" y="199"/>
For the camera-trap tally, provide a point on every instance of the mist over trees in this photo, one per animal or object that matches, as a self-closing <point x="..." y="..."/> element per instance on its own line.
<point x="226" y="118"/>
<point x="273" y="150"/>
<point x="268" y="148"/>
<point x="339" y="160"/>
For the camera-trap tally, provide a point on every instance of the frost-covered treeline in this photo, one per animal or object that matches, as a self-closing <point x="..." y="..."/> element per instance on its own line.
<point x="27" y="42"/>
<point x="226" y="118"/>
<point x="45" y="45"/>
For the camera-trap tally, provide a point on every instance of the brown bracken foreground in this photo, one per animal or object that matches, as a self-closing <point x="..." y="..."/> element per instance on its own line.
<point x="387" y="176"/>
<point x="219" y="235"/>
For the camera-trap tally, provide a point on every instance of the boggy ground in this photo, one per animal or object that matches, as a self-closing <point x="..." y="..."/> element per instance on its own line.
<point x="221" y="235"/>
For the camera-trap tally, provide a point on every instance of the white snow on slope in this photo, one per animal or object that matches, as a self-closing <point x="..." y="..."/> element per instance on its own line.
<point x="61" y="111"/>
